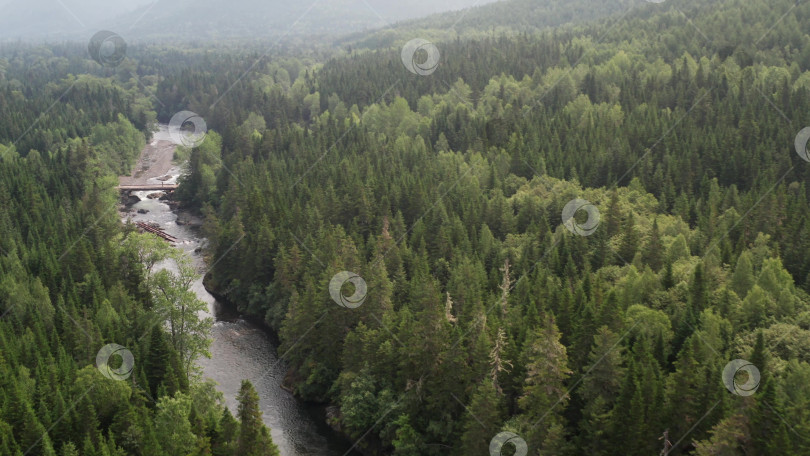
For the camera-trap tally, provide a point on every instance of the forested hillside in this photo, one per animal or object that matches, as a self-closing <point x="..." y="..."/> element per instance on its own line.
<point x="588" y="239"/>
<point x="170" y="21"/>
<point x="498" y="18"/>
<point x="86" y="366"/>
<point x="483" y="311"/>
<point x="276" y="20"/>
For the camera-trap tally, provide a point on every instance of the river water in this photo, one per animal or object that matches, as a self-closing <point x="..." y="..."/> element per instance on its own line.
<point x="244" y="350"/>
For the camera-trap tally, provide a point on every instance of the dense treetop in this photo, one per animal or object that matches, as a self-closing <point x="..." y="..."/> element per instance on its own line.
<point x="445" y="193"/>
<point x="483" y="312"/>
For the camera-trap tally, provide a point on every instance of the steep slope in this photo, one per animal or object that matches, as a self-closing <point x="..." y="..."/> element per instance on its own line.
<point x="501" y="16"/>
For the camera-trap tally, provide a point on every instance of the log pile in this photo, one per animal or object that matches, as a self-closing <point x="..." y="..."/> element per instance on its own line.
<point x="156" y="231"/>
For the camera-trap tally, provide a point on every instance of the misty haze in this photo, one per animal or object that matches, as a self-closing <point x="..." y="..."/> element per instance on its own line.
<point x="415" y="228"/>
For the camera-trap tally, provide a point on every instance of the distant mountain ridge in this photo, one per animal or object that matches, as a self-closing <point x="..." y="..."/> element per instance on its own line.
<point x="49" y="18"/>
<point x="208" y="19"/>
<point x="498" y="17"/>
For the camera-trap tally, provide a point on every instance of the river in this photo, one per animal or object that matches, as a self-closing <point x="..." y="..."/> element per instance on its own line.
<point x="244" y="350"/>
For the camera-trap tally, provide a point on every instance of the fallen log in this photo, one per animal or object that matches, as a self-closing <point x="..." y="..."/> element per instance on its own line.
<point x="156" y="231"/>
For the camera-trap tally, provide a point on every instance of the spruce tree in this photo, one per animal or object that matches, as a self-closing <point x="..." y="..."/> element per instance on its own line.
<point x="743" y="278"/>
<point x="601" y="384"/>
<point x="630" y="240"/>
<point x="254" y="438"/>
<point x="544" y="391"/>
<point x="653" y="253"/>
<point x="485" y="415"/>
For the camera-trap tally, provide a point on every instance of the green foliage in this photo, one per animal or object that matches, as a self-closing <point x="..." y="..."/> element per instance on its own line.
<point x="73" y="279"/>
<point x="176" y="303"/>
<point x="427" y="191"/>
<point x="204" y="162"/>
<point x="118" y="144"/>
<point x="444" y="193"/>
<point x="254" y="438"/>
<point x="172" y="426"/>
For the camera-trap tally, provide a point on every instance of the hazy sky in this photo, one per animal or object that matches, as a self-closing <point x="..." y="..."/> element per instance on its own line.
<point x="60" y="19"/>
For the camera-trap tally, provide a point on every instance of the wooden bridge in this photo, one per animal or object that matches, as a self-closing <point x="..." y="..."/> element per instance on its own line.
<point x="150" y="187"/>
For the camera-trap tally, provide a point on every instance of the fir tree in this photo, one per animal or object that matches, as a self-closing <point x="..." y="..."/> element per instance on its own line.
<point x="485" y="416"/>
<point x="254" y="439"/>
<point x="653" y="253"/>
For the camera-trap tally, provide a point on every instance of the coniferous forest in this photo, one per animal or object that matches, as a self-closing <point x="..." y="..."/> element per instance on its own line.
<point x="529" y="233"/>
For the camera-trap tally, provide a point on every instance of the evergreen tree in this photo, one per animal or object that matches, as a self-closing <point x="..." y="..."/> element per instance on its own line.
<point x="485" y="416"/>
<point x="653" y="253"/>
<point x="638" y="410"/>
<point x="743" y="278"/>
<point x="630" y="240"/>
<point x="614" y="215"/>
<point x="544" y="392"/>
<point x="769" y="432"/>
<point x="603" y="377"/>
<point x="254" y="439"/>
<point x="699" y="290"/>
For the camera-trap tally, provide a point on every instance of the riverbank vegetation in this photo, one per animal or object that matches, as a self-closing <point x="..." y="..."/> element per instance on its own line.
<point x="484" y="311"/>
<point x="73" y="280"/>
